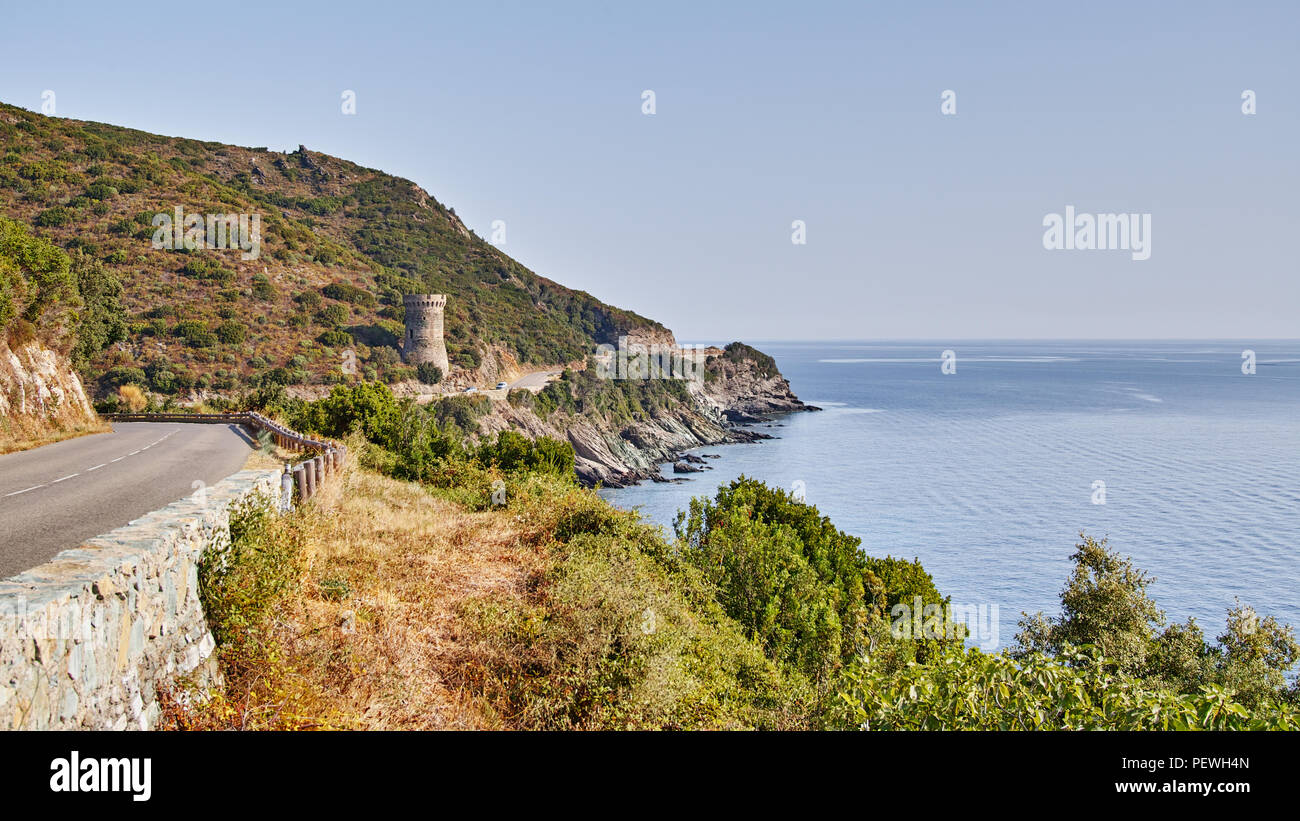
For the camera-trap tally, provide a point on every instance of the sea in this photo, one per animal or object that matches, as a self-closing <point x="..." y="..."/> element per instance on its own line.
<point x="986" y="460"/>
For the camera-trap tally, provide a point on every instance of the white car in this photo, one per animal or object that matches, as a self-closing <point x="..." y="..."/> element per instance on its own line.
<point x="501" y="385"/>
<point x="471" y="390"/>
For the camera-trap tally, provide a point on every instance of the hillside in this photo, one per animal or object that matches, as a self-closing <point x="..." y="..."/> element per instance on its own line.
<point x="340" y="244"/>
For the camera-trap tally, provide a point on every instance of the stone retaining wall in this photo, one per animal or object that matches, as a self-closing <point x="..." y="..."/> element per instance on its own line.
<point x="86" y="638"/>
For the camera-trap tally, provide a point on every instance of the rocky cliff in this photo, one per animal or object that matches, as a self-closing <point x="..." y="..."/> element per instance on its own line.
<point x="732" y="393"/>
<point x="40" y="396"/>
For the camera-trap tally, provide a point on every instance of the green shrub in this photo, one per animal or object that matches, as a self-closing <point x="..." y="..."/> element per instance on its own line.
<point x="55" y="216"/>
<point x="428" y="373"/>
<point x="262" y="288"/>
<point x="798" y="585"/>
<point x="102" y="319"/>
<point x="195" y="333"/>
<point x="232" y="332"/>
<point x="335" y="339"/>
<point x="964" y="689"/>
<point x="345" y="292"/>
<point x="334" y="315"/>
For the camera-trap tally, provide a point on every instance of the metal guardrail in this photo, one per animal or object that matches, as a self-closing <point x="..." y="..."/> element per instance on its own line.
<point x="307" y="475"/>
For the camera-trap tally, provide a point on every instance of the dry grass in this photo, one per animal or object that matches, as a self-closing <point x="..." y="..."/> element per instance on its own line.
<point x="376" y="629"/>
<point x="14" y="445"/>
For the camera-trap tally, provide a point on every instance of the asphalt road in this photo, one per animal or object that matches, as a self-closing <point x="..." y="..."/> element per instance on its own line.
<point x="55" y="497"/>
<point x="535" y="381"/>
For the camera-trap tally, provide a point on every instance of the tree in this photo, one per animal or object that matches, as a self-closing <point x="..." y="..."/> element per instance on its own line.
<point x="35" y="274"/>
<point x="1254" y="655"/>
<point x="1104" y="604"/>
<point x="102" y="319"/>
<point x="801" y="587"/>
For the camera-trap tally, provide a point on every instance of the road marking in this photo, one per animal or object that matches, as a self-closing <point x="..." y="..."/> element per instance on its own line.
<point x="118" y="459"/>
<point x="96" y="467"/>
<point x="134" y="452"/>
<point x="16" y="492"/>
<point x="65" y="478"/>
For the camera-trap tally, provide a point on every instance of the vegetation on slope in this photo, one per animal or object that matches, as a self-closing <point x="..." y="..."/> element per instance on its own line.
<point x="340" y="246"/>
<point x="495" y="593"/>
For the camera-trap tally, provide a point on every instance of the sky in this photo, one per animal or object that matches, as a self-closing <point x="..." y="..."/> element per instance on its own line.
<point x="918" y="223"/>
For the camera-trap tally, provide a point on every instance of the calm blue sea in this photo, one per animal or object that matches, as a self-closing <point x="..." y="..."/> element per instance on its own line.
<point x="988" y="475"/>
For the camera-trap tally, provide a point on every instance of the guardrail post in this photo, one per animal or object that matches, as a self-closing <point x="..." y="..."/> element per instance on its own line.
<point x="309" y="479"/>
<point x="319" y="465"/>
<point x="286" y="489"/>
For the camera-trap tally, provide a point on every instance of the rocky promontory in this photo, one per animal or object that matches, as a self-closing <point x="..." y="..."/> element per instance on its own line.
<point x="735" y="387"/>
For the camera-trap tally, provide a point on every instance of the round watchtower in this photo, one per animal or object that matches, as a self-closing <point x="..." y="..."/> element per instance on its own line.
<point x="423" y="339"/>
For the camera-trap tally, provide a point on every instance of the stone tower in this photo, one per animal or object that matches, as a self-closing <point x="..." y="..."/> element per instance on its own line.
<point x="423" y="339"/>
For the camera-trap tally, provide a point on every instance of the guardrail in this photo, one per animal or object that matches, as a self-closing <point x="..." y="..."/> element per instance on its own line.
<point x="307" y="475"/>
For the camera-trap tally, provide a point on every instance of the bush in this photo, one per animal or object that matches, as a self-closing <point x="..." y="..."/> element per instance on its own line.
<point x="1104" y="605"/>
<point x="132" y="398"/>
<point x="195" y="333"/>
<point x="335" y="339"/>
<point x="232" y="332"/>
<point x="244" y="581"/>
<point x="207" y="270"/>
<point x="618" y="634"/>
<point x="51" y="217"/>
<point x="345" y="292"/>
<point x="428" y="373"/>
<point x="334" y="315"/>
<point x="262" y="288"/>
<point x="969" y="690"/>
<point x="513" y="451"/>
<point x="799" y="586"/>
<point x="101" y="191"/>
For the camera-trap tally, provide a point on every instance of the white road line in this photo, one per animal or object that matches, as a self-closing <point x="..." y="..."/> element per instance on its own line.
<point x="16" y="492"/>
<point x="134" y="452"/>
<point x="65" y="478"/>
<point x="96" y="467"/>
<point x="118" y="459"/>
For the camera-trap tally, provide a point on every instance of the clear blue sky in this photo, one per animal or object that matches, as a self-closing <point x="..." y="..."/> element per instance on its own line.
<point x="918" y="224"/>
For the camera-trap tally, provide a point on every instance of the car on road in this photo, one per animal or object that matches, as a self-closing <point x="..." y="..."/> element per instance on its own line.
<point x="471" y="390"/>
<point x="501" y="385"/>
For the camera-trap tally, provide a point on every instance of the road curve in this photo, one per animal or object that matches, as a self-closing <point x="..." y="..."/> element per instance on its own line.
<point x="536" y="380"/>
<point x="55" y="497"/>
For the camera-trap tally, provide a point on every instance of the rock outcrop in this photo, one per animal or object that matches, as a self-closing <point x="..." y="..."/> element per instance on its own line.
<point x="616" y="455"/>
<point x="40" y="394"/>
<point x="744" y="392"/>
